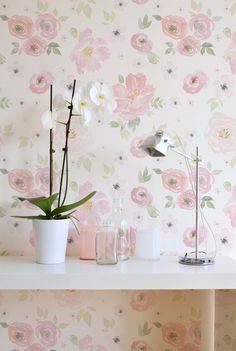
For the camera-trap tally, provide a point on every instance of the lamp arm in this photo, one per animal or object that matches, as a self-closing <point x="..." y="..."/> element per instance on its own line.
<point x="172" y="148"/>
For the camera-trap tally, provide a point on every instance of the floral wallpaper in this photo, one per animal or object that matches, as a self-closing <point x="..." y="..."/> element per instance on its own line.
<point x="170" y="65"/>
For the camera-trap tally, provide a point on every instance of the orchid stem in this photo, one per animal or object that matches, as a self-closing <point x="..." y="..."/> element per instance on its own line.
<point x="65" y="150"/>
<point x="51" y="151"/>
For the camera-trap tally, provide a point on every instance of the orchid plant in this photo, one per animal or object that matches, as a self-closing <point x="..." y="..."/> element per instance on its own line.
<point x="84" y="102"/>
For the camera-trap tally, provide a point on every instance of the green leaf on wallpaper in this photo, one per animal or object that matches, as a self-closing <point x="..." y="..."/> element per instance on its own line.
<point x="195" y="313"/>
<point x="74" y="186"/>
<point x="4" y="171"/>
<point x="42" y="313"/>
<point x="144" y="330"/>
<point x="23" y="141"/>
<point x="133" y="124"/>
<point x="87" y="10"/>
<point x="2" y="59"/>
<point x="125" y="134"/>
<point x="216" y="171"/>
<point x="170" y="201"/>
<point x="207" y="48"/>
<point x="53" y="47"/>
<point x="233" y="316"/>
<point x="196" y="6"/>
<point x="207" y="201"/>
<point x="63" y="18"/>
<point x="233" y="8"/>
<point x="109" y="17"/>
<point x="87" y="164"/>
<point x="87" y="318"/>
<point x="144" y="176"/>
<point x="74" y="340"/>
<point x="228" y="186"/>
<point x="42" y="160"/>
<point x="109" y="324"/>
<point x="121" y="78"/>
<point x="7" y="130"/>
<point x="23" y="295"/>
<point x="63" y="325"/>
<point x="157" y="324"/>
<point x="115" y="124"/>
<point x="108" y="170"/>
<point x="209" y="12"/>
<point x="157" y="17"/>
<point x="144" y="23"/>
<point x="227" y="339"/>
<point x="158" y="103"/>
<point x="4" y="324"/>
<point x="5" y="103"/>
<point x="4" y="17"/>
<point x="152" y="211"/>
<point x="42" y="6"/>
<point x="233" y="162"/>
<point x="157" y="170"/>
<point x="153" y="58"/>
<point x="2" y="212"/>
<point x="227" y="32"/>
<point x="55" y="12"/>
<point x="216" y="18"/>
<point x="213" y="102"/>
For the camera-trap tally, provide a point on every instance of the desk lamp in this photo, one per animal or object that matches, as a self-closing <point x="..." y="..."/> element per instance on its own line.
<point x="158" y="145"/>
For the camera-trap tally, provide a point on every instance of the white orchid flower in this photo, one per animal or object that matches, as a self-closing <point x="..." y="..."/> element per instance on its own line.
<point x="82" y="105"/>
<point x="101" y="96"/>
<point x="48" y="120"/>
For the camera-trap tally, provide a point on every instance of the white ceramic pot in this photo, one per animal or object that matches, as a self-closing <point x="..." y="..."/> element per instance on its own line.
<point x="50" y="240"/>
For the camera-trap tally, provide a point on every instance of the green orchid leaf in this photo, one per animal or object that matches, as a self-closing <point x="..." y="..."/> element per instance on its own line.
<point x="33" y="217"/>
<point x="44" y="203"/>
<point x="69" y="207"/>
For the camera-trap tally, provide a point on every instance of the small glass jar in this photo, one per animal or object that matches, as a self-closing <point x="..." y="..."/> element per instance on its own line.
<point x="106" y="244"/>
<point x="87" y="237"/>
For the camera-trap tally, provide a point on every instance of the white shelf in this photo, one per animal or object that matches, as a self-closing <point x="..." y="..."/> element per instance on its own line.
<point x="22" y="272"/>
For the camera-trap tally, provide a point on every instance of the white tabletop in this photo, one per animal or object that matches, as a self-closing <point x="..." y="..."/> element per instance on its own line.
<point x="22" y="272"/>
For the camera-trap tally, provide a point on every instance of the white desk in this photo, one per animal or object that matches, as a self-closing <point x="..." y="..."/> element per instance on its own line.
<point x="22" y="272"/>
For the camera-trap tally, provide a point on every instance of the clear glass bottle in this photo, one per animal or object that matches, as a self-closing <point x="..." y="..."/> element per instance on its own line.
<point x="106" y="244"/>
<point x="118" y="219"/>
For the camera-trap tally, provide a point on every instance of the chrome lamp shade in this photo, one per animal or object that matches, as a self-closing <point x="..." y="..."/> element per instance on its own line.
<point x="158" y="145"/>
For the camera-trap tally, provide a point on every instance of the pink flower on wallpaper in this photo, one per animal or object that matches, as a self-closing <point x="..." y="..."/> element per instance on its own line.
<point x="189" y="347"/>
<point x="40" y="82"/>
<point x="174" y="26"/>
<point x="32" y="193"/>
<point x="188" y="46"/>
<point x="73" y="298"/>
<point x="35" y="347"/>
<point x="201" y="26"/>
<point x="141" y="300"/>
<point x="224" y="86"/>
<point x="47" y="25"/>
<point x="174" y="180"/>
<point x="42" y="179"/>
<point x="140" y="345"/>
<point x="206" y="180"/>
<point x="221" y="133"/>
<point x="189" y="236"/>
<point x="141" y="196"/>
<point x="134" y="147"/>
<point x="230" y="55"/>
<point x="34" y="46"/>
<point x="195" y="332"/>
<point x="186" y="200"/>
<point x="195" y="82"/>
<point x="47" y="333"/>
<point x="230" y="208"/>
<point x="20" y="26"/>
<point x="140" y="2"/>
<point x="141" y="43"/>
<point x="174" y="333"/>
<point x="89" y="52"/>
<point x="93" y="210"/>
<point x="20" y="333"/>
<point x="21" y="180"/>
<point x="134" y="97"/>
<point x="86" y="344"/>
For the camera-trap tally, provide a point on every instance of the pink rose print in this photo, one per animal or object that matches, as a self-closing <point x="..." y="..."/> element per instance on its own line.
<point x="188" y="46"/>
<point x="230" y="55"/>
<point x="20" y="333"/>
<point x="189" y="347"/>
<point x="35" y="347"/>
<point x="93" y="210"/>
<point x="47" y="25"/>
<point x="47" y="332"/>
<point x="20" y="180"/>
<point x="195" y="332"/>
<point x="89" y="52"/>
<point x="141" y="196"/>
<point x="20" y="26"/>
<point x="201" y="26"/>
<point x="40" y="82"/>
<point x="141" y="300"/>
<point x="134" y="147"/>
<point x="140" y="345"/>
<point x="86" y="344"/>
<point x="34" y="46"/>
<point x="174" y="26"/>
<point x="174" y="180"/>
<point x="174" y="334"/>
<point x="42" y="179"/>
<point x="141" y="43"/>
<point x="224" y="86"/>
<point x="189" y="236"/>
<point x="230" y="208"/>
<point x="193" y="83"/>
<point x="186" y="200"/>
<point x="206" y="180"/>
<point x="221" y="133"/>
<point x="133" y="99"/>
